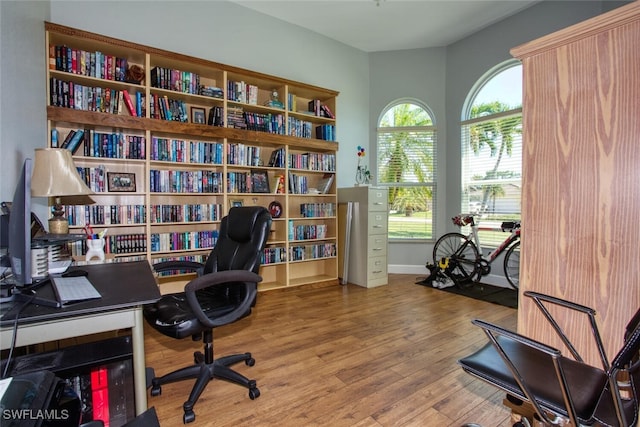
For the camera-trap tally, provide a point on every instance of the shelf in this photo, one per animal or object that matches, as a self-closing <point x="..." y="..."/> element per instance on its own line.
<point x="154" y="144"/>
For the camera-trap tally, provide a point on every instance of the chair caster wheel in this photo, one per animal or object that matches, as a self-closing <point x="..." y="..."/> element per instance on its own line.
<point x="250" y="362"/>
<point x="188" y="417"/>
<point x="156" y="390"/>
<point x="254" y="393"/>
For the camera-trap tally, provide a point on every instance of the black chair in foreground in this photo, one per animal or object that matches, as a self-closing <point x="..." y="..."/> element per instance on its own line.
<point x="561" y="388"/>
<point x="224" y="291"/>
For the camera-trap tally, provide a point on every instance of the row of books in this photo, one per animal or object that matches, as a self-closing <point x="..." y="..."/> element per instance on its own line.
<point x="323" y="162"/>
<point x="211" y="91"/>
<point x="86" y="63"/>
<point x="176" y="80"/>
<point x="182" y="151"/>
<point x="105" y="145"/>
<point x="185" y="213"/>
<point x="69" y="94"/>
<point x="269" y="123"/>
<point x="298" y="184"/>
<point x="317" y="210"/>
<point x="307" y="232"/>
<point x="319" y="109"/>
<point x="306" y="252"/>
<point x="273" y="255"/>
<point x="165" y="108"/>
<point x="277" y="158"/>
<point x="216" y="117"/>
<point x="299" y="128"/>
<point x="94" y="177"/>
<point x="326" y="132"/>
<point x="239" y="182"/>
<point x="235" y="118"/>
<point x="126" y="243"/>
<point x="242" y="92"/>
<point x="114" y="145"/>
<point x="165" y="242"/>
<point x="71" y="142"/>
<point x="177" y="181"/>
<point x="244" y="155"/>
<point x="81" y="215"/>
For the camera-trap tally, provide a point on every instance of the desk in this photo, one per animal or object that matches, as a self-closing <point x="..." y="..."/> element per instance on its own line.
<point x="125" y="287"/>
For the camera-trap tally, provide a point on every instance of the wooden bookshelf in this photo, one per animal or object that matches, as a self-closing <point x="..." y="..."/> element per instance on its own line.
<point x="186" y="173"/>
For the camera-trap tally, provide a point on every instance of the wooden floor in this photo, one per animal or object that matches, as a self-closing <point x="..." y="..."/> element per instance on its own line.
<point x="344" y="356"/>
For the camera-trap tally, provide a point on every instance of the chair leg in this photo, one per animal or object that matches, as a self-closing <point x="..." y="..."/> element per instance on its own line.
<point x="204" y="370"/>
<point x="181" y="374"/>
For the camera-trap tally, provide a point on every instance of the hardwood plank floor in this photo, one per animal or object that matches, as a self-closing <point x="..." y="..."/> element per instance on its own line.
<point x="344" y="356"/>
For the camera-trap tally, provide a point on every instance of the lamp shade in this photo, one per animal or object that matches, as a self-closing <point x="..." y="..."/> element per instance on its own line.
<point x="55" y="174"/>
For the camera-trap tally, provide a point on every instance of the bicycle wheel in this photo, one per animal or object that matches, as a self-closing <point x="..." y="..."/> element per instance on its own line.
<point x="463" y="257"/>
<point x="512" y="265"/>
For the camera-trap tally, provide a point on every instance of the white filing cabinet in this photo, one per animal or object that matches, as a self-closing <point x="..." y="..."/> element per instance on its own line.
<point x="367" y="257"/>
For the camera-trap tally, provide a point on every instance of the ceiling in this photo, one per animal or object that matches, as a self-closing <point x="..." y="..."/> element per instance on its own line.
<point x="374" y="26"/>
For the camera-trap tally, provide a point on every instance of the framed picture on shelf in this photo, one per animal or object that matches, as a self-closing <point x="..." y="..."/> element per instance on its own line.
<point x="236" y="203"/>
<point x="260" y="181"/>
<point x="198" y="115"/>
<point x="121" y="182"/>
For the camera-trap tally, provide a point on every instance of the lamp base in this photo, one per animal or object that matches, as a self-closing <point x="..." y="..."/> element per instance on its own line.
<point x="58" y="225"/>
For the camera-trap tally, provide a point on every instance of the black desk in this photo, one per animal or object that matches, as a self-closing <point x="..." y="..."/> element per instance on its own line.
<point x="125" y="287"/>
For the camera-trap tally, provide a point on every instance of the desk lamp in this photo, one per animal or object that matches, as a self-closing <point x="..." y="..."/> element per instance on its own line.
<point x="55" y="175"/>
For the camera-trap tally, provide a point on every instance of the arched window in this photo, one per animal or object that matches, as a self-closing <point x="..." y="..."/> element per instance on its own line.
<point x="406" y="163"/>
<point x="492" y="149"/>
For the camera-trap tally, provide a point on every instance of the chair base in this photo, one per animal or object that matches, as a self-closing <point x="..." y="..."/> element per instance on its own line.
<point x="203" y="373"/>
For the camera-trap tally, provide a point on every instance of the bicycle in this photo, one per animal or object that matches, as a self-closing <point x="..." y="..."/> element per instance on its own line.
<point x="462" y="257"/>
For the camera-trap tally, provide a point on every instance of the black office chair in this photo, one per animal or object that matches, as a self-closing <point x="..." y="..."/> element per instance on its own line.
<point x="562" y="388"/>
<point x="224" y="291"/>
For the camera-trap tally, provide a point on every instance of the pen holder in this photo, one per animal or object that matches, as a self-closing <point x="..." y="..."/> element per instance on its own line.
<point x="95" y="249"/>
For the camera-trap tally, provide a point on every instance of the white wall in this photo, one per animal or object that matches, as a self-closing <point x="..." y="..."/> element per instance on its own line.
<point x="22" y="91"/>
<point x="216" y="30"/>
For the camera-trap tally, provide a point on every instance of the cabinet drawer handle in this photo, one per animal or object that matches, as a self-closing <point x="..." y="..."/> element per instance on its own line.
<point x="377" y="226"/>
<point x="377" y="271"/>
<point x="376" y="249"/>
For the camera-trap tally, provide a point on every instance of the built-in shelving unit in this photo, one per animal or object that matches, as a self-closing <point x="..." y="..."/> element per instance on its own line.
<point x="171" y="142"/>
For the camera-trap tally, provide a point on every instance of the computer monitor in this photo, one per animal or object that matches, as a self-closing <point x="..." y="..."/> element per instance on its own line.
<point x="20" y="228"/>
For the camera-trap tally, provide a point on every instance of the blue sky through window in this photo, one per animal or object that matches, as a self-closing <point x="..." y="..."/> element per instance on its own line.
<point x="505" y="87"/>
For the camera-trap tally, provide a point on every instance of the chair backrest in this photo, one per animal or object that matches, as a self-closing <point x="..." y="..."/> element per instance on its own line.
<point x="242" y="237"/>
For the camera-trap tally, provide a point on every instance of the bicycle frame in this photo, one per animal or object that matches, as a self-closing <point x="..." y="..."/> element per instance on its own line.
<point x="491" y="256"/>
<point x="475" y="237"/>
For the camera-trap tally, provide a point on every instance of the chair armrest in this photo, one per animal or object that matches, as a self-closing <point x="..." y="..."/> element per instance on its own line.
<point x="240" y="277"/>
<point x="492" y="330"/>
<point x="539" y="299"/>
<point x="192" y="266"/>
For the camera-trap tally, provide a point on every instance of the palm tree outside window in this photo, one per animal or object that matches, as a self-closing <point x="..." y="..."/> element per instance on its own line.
<point x="406" y="164"/>
<point x="492" y="151"/>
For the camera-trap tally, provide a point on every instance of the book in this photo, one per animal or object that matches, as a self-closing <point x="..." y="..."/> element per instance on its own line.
<point x="129" y="103"/>
<point x="74" y="144"/>
<point x="327" y="111"/>
<point x="324" y="184"/>
<point x="67" y="139"/>
<point x="54" y="138"/>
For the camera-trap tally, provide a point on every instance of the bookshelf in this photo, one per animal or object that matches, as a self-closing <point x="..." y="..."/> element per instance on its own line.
<point x="171" y="142"/>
